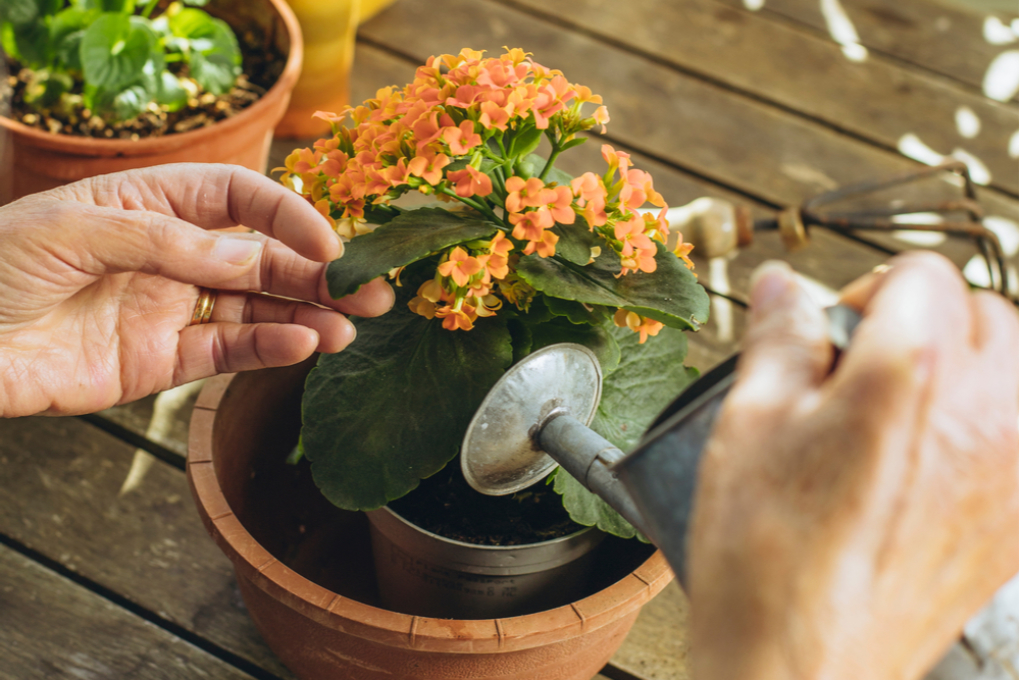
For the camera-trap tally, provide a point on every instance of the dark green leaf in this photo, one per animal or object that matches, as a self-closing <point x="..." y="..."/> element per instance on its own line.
<point x="575" y="242"/>
<point x="392" y="408"/>
<point x="647" y="380"/>
<point x="670" y="294"/>
<point x="589" y="510"/>
<point x="411" y="236"/>
<point x="33" y="43"/>
<point x="520" y="337"/>
<point x="19" y="11"/>
<point x="576" y="312"/>
<point x="115" y="49"/>
<point x="596" y="338"/>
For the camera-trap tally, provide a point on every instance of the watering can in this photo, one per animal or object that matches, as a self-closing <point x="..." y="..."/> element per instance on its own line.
<point x="537" y="415"/>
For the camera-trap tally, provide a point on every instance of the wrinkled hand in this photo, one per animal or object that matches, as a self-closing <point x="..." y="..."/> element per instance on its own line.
<point x="99" y="280"/>
<point x="847" y="525"/>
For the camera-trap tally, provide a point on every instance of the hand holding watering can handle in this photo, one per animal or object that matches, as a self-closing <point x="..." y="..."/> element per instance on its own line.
<point x="659" y="476"/>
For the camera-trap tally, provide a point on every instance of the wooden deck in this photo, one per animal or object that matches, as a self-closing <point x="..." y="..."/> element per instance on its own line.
<point x="762" y="107"/>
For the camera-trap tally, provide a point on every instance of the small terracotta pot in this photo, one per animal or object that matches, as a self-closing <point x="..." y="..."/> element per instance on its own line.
<point x="35" y="160"/>
<point x="305" y="569"/>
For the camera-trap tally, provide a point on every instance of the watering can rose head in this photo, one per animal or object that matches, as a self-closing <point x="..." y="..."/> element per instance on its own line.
<point x="466" y="131"/>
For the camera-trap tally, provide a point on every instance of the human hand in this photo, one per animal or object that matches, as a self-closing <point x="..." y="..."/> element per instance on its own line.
<point x="847" y="525"/>
<point x="99" y="280"/>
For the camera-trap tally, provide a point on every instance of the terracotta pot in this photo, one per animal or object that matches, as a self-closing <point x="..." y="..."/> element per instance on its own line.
<point x="305" y="568"/>
<point x="35" y="160"/>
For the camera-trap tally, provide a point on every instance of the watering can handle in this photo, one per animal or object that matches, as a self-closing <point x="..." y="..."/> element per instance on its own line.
<point x="660" y="475"/>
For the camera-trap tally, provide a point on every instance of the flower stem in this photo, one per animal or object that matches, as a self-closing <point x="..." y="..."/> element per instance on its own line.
<point x="481" y="206"/>
<point x="552" y="159"/>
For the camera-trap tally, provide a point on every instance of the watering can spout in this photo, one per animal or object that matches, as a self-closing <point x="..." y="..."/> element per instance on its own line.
<point x="537" y="416"/>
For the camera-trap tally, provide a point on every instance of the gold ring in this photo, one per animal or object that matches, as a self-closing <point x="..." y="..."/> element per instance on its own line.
<point x="204" y="307"/>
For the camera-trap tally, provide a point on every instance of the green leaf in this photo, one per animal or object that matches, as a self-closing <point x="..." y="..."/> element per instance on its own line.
<point x="587" y="509"/>
<point x="575" y="242"/>
<point x="119" y="6"/>
<point x="525" y="142"/>
<point x="596" y="338"/>
<point x="33" y="43"/>
<point x="115" y="49"/>
<point x="46" y="88"/>
<point x="407" y="238"/>
<point x="392" y="408"/>
<point x="572" y="143"/>
<point x="19" y="11"/>
<point x="8" y="41"/>
<point x="531" y="166"/>
<point x="647" y="380"/>
<point x="670" y="294"/>
<point x="170" y="93"/>
<point x="196" y="3"/>
<point x="130" y="102"/>
<point x="66" y="32"/>
<point x="214" y="56"/>
<point x="576" y="312"/>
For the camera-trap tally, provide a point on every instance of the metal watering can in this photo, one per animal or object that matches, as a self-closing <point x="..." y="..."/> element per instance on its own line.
<point x="537" y="415"/>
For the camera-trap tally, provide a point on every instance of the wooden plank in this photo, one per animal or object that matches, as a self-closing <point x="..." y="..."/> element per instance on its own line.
<point x="947" y="38"/>
<point x="712" y="132"/>
<point x="59" y="479"/>
<point x="54" y="628"/>
<point x="877" y="99"/>
<point x="659" y="645"/>
<point x="59" y="483"/>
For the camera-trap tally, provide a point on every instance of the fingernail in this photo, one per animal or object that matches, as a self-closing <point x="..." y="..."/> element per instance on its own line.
<point x="769" y="283"/>
<point x="235" y="250"/>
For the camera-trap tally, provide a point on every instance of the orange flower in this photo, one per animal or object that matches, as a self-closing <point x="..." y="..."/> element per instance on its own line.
<point x="637" y="323"/>
<point x="616" y="159"/>
<point x="523" y="193"/>
<point x="493" y="116"/>
<point x="461" y="139"/>
<point x="429" y="167"/>
<point x="682" y="251"/>
<point x="638" y="251"/>
<point x="545" y="245"/>
<point x="637" y="189"/>
<point x="527" y="226"/>
<point x="460" y="267"/>
<point x="591" y="197"/>
<point x="470" y="182"/>
<point x="498" y="259"/>
<point x="455" y="319"/>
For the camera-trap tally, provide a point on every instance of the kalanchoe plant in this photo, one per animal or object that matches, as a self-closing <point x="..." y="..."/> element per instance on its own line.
<point x="521" y="256"/>
<point x="117" y="56"/>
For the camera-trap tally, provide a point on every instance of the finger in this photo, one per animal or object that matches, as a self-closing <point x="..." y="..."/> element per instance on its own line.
<point x="215" y="196"/>
<point x="284" y="273"/>
<point x="996" y="335"/>
<point x="210" y="349"/>
<point x="334" y="330"/>
<point x="786" y="347"/>
<point x="857" y="293"/>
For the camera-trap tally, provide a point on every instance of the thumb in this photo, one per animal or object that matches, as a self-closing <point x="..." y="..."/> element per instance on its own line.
<point x="786" y="347"/>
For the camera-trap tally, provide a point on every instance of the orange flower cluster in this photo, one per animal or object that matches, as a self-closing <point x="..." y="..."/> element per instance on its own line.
<point x="463" y="130"/>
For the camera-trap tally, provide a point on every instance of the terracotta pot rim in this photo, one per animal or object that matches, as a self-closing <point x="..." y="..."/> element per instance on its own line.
<point x="255" y="563"/>
<point x="99" y="146"/>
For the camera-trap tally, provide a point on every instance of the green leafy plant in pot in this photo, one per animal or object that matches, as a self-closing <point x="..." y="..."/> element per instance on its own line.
<point x="117" y="59"/>
<point x="515" y="256"/>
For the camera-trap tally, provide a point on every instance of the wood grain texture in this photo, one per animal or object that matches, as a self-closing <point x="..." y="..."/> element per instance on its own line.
<point x="878" y="99"/>
<point x="706" y="130"/>
<point x="943" y="38"/>
<point x="52" y="628"/>
<point x="59" y="482"/>
<point x="58" y="496"/>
